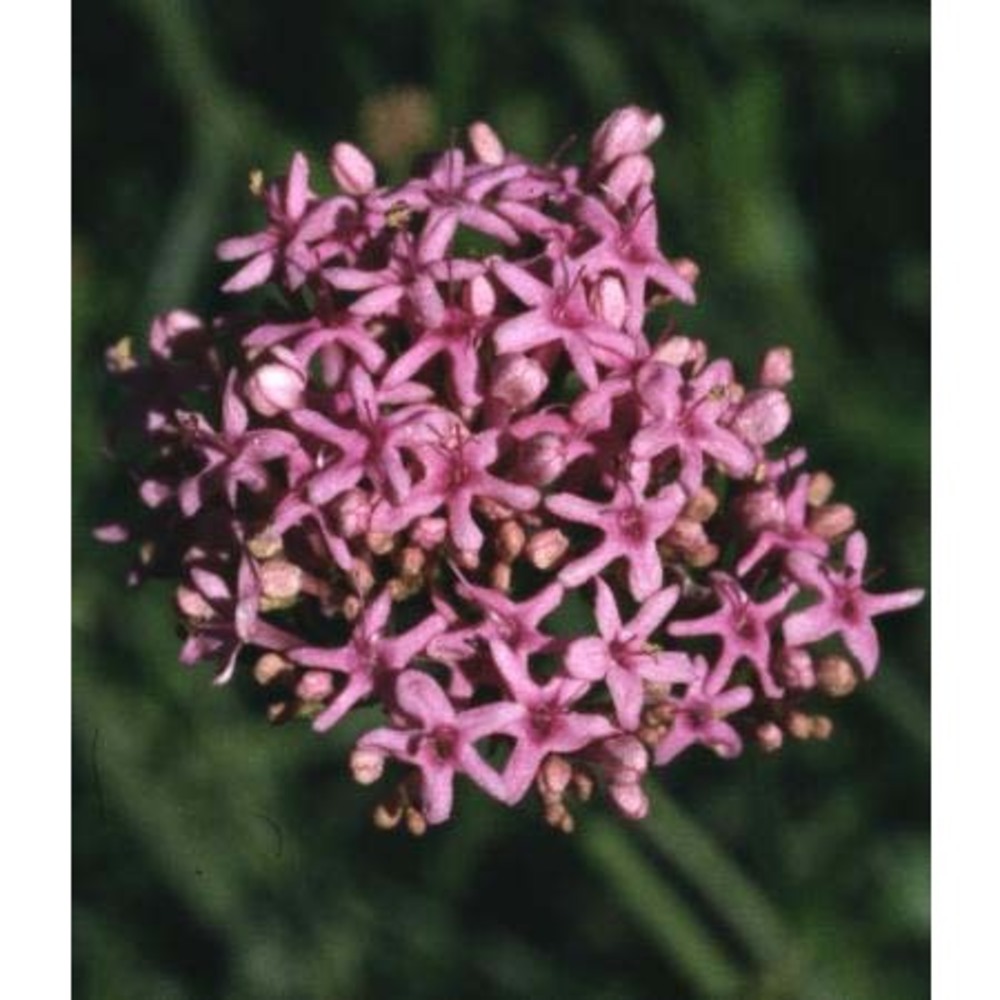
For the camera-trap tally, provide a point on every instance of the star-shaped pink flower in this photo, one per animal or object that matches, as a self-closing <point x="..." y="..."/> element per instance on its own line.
<point x="844" y="606"/>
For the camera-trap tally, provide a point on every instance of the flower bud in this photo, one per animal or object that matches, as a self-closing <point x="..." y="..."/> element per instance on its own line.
<point x="510" y="541"/>
<point x="760" y="509"/>
<point x="192" y="605"/>
<point x="314" y="685"/>
<point x="831" y="520"/>
<point x="762" y="416"/>
<point x="608" y="300"/>
<point x="554" y="777"/>
<point x="351" y="169"/>
<point x="546" y="548"/>
<point x="429" y="533"/>
<point x="630" y="799"/>
<point x="367" y="765"/>
<point x="628" y="174"/>
<point x="479" y="297"/>
<point x="821" y="487"/>
<point x="822" y="727"/>
<point x="541" y="459"/>
<point x="517" y="380"/>
<point x="351" y="513"/>
<point x="271" y="667"/>
<point x="673" y="350"/>
<point x="794" y="669"/>
<point x="276" y="386"/>
<point x="625" y="131"/>
<point x="702" y="505"/>
<point x="835" y="676"/>
<point x="280" y="580"/>
<point x="170" y="329"/>
<point x="776" y="368"/>
<point x="686" y="269"/>
<point x="486" y="144"/>
<point x="153" y="493"/>
<point x="769" y="737"/>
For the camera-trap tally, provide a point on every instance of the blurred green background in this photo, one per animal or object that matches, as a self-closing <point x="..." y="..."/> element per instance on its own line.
<point x="216" y="857"/>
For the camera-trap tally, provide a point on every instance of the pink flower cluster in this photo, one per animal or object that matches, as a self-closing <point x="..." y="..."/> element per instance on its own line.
<point x="446" y="468"/>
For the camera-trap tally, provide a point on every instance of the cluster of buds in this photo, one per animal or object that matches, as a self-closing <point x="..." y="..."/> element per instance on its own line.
<point x="448" y="467"/>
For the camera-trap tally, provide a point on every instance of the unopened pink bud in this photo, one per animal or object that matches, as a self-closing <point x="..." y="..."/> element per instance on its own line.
<point x="276" y="386"/>
<point x="280" y="580"/>
<point x="832" y="520"/>
<point x="835" y="676"/>
<point x="351" y="169"/>
<point x="351" y="513"/>
<point x="367" y="765"/>
<point x="191" y="604"/>
<point x="794" y="669"/>
<point x="429" y="533"/>
<point x="270" y="668"/>
<point x="608" y="300"/>
<point x="486" y="144"/>
<point x="674" y="350"/>
<point x="554" y="776"/>
<point x="153" y="493"/>
<point x="763" y="416"/>
<point x="776" y="368"/>
<point x="480" y="297"/>
<point x="541" y="459"/>
<point x="770" y="737"/>
<point x="314" y="685"/>
<point x="625" y="131"/>
<point x="760" y="509"/>
<point x="687" y="269"/>
<point x="517" y="380"/>
<point x="630" y="799"/>
<point x="628" y="174"/>
<point x="546" y="548"/>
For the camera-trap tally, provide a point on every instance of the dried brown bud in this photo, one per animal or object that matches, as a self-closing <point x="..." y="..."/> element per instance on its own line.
<point x="835" y="676"/>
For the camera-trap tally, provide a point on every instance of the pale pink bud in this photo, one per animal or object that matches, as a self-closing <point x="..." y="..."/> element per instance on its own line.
<point x="314" y="685"/>
<point x="629" y="173"/>
<point x="625" y="131"/>
<point x="277" y="386"/>
<point x="191" y="604"/>
<point x="630" y="799"/>
<point x="794" y="669"/>
<point x="831" y="520"/>
<point x="626" y="758"/>
<point x="770" y="737"/>
<point x="608" y="299"/>
<point x="153" y="493"/>
<point x="763" y="416"/>
<point x="554" y="777"/>
<point x="776" y="368"/>
<point x="280" y="580"/>
<point x="546" y="548"/>
<point x="517" y="380"/>
<point x="821" y="487"/>
<point x="835" y="676"/>
<point x="112" y="534"/>
<point x="674" y="350"/>
<point x="351" y="169"/>
<point x="367" y="765"/>
<point x="760" y="509"/>
<point x="351" y="513"/>
<point x="429" y="533"/>
<point x="480" y="297"/>
<point x="270" y="668"/>
<point x="541" y="459"/>
<point x="510" y="540"/>
<point x="687" y="269"/>
<point x="702" y="506"/>
<point x="486" y="144"/>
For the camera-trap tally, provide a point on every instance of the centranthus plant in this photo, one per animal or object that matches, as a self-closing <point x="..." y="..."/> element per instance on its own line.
<point x="454" y="466"/>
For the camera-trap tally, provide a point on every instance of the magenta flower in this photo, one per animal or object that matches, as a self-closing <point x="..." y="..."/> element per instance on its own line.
<point x="744" y="629"/>
<point x="387" y="487"/>
<point x="699" y="717"/>
<point x="632" y="524"/>
<point x="623" y="657"/>
<point x="844" y="606"/>
<point x="368" y="658"/>
<point x="440" y="742"/>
